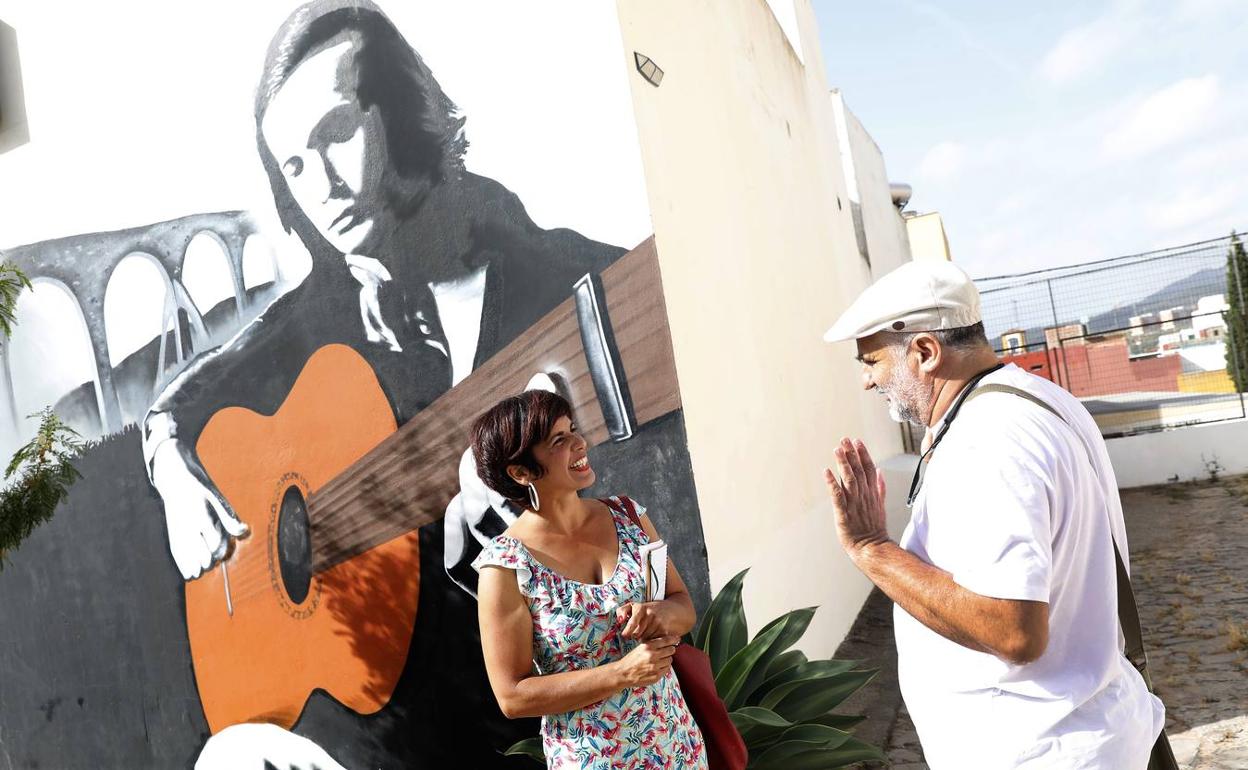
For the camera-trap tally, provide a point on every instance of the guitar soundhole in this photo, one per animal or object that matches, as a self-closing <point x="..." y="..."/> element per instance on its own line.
<point x="294" y="546"/>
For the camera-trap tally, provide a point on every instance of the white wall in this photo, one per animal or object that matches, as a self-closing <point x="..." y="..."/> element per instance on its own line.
<point x="1157" y="458"/>
<point x="139" y="113"/>
<point x="885" y="231"/>
<point x="744" y="175"/>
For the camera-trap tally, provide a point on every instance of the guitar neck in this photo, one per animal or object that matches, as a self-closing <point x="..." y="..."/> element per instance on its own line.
<point x="408" y="479"/>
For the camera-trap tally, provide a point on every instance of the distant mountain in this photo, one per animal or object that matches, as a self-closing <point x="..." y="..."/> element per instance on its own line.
<point x="1184" y="293"/>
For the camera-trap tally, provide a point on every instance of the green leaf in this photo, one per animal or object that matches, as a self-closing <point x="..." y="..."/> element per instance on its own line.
<point x="802" y="746"/>
<point x="786" y="660"/>
<point x="839" y="721"/>
<point x="809" y="670"/>
<point x="12" y="282"/>
<point x="723" y="631"/>
<point x="734" y="673"/>
<point x="792" y="625"/>
<point x="821" y="735"/>
<point x="808" y="698"/>
<point x="758" y="725"/>
<point x="43" y="476"/>
<point x="529" y="747"/>
<point x="853" y="751"/>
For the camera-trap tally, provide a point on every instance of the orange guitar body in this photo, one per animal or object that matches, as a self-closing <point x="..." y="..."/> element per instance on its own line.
<point x="349" y="635"/>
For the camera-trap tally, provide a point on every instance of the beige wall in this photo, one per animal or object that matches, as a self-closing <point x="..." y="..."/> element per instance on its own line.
<point x="883" y="226"/>
<point x="927" y="237"/>
<point x="744" y="180"/>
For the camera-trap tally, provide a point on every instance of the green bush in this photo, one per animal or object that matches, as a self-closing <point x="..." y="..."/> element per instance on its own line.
<point x="42" y="467"/>
<point x="43" y="474"/>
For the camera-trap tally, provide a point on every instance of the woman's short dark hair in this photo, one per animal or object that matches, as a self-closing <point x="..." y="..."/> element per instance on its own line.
<point x="506" y="434"/>
<point x="424" y="134"/>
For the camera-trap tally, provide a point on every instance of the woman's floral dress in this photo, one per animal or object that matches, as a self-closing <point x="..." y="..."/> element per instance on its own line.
<point x="574" y="627"/>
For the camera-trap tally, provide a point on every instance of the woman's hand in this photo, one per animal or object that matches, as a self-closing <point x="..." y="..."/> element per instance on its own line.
<point x="648" y="662"/>
<point x="646" y="620"/>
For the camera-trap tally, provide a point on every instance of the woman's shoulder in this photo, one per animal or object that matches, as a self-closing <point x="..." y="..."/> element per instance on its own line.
<point x="502" y="550"/>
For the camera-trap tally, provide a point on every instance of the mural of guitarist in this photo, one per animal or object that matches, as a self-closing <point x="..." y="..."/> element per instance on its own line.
<point x="421" y="272"/>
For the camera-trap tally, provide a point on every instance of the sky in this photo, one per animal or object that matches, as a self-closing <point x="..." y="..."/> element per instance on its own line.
<point x="1053" y="133"/>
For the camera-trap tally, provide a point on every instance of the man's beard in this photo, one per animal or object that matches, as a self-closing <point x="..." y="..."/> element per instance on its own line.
<point x="906" y="400"/>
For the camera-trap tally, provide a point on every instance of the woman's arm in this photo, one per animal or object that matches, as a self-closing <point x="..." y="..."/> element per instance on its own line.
<point x="673" y="616"/>
<point x="507" y="642"/>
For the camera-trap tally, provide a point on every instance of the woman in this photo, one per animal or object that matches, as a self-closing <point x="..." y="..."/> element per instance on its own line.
<point x="563" y="588"/>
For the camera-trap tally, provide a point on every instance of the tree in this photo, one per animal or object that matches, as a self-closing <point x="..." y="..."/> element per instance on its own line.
<point x="42" y="470"/>
<point x="1236" y="316"/>
<point x="12" y="281"/>
<point x="43" y="473"/>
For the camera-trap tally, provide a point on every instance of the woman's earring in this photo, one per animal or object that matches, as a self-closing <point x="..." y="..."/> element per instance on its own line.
<point x="533" y="501"/>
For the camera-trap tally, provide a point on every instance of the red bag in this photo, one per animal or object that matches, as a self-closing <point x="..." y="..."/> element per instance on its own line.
<point x="725" y="749"/>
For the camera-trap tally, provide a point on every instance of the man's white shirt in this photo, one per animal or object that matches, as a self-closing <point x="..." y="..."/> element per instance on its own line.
<point x="460" y="304"/>
<point x="1012" y="509"/>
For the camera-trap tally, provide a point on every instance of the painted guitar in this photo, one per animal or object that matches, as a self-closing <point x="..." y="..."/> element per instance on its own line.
<point x="323" y="593"/>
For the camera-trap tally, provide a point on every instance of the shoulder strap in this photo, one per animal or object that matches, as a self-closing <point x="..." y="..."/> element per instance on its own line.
<point x="1128" y="613"/>
<point x="626" y="507"/>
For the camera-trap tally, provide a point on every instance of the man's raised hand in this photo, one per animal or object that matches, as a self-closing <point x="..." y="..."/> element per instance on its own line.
<point x="857" y="492"/>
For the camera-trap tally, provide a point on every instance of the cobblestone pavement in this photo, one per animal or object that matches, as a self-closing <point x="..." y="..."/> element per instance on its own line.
<point x="1189" y="546"/>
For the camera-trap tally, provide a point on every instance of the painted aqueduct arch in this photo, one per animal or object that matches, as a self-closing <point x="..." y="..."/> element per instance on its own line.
<point x="84" y="264"/>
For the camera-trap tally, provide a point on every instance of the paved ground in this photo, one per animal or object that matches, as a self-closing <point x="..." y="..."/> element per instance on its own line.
<point x="1189" y="546"/>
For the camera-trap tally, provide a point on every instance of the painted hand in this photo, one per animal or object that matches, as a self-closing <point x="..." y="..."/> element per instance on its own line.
<point x="857" y="497"/>
<point x="199" y="521"/>
<point x="645" y="620"/>
<point x="259" y="746"/>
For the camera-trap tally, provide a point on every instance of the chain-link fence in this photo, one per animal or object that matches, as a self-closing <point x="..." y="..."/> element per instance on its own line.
<point x="1142" y="340"/>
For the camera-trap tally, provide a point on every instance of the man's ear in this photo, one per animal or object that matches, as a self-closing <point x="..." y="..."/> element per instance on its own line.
<point x="929" y="351"/>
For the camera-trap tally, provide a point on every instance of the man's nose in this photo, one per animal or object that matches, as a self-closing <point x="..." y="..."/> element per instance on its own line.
<point x="866" y="378"/>
<point x="335" y="187"/>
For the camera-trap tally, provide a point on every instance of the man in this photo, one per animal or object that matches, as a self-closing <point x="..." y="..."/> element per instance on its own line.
<point x="424" y="269"/>
<point x="1009" y="653"/>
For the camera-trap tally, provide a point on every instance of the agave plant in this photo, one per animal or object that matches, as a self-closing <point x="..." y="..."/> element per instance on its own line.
<point x="780" y="701"/>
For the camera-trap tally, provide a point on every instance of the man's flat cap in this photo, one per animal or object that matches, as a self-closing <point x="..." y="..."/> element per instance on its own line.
<point x="916" y="297"/>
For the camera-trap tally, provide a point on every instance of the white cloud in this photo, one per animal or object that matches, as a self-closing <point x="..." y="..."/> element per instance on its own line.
<point x="942" y="162"/>
<point x="1084" y="49"/>
<point x="962" y="32"/>
<point x="1163" y="117"/>
<point x="1192" y="206"/>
